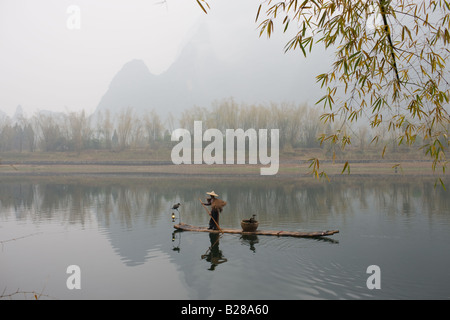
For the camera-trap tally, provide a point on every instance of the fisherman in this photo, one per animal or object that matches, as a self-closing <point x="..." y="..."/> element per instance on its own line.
<point x="216" y="208"/>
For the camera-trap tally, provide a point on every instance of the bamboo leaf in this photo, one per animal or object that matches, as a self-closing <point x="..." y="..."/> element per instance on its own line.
<point x="201" y="6"/>
<point x="442" y="184"/>
<point x="257" y="14"/>
<point x="346" y="166"/>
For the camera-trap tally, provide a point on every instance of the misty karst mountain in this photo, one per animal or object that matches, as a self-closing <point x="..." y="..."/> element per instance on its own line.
<point x="259" y="74"/>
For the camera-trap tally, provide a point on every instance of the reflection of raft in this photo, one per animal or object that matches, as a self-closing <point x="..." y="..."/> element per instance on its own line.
<point x="301" y="234"/>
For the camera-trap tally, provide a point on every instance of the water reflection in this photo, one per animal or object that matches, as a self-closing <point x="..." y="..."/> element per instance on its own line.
<point x="176" y="245"/>
<point x="214" y="255"/>
<point x="274" y="201"/>
<point x="130" y="212"/>
<point x="396" y="223"/>
<point x="250" y="240"/>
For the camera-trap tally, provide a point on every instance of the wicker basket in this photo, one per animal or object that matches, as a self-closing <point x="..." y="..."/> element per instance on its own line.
<point x="248" y="226"/>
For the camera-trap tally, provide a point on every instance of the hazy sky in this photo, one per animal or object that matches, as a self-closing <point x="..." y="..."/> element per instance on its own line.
<point x="51" y="60"/>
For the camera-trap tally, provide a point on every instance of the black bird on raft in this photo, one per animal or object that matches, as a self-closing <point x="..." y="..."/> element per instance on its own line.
<point x="252" y="219"/>
<point x="176" y="206"/>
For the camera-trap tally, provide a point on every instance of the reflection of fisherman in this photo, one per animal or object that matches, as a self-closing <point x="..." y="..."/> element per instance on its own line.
<point x="215" y="255"/>
<point x="216" y="208"/>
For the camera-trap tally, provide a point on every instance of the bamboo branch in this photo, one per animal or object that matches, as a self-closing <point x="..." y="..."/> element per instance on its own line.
<point x="388" y="34"/>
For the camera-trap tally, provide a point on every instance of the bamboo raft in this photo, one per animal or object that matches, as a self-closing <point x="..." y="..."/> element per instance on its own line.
<point x="300" y="234"/>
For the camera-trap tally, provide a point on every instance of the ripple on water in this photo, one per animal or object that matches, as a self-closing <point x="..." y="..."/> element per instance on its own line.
<point x="305" y="273"/>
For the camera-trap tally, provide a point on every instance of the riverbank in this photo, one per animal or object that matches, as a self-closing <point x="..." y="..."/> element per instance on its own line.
<point x="151" y="163"/>
<point x="286" y="169"/>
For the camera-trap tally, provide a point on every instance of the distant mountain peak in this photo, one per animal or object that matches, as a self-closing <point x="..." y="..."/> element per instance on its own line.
<point x="135" y="65"/>
<point x="199" y="77"/>
<point x="132" y="73"/>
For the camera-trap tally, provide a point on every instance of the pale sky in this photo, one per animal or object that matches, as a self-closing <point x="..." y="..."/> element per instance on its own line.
<point x="48" y="63"/>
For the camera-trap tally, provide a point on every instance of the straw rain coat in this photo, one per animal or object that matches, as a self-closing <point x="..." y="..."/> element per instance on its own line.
<point x="216" y="208"/>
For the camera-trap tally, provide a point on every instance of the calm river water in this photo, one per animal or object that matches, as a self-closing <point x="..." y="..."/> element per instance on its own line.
<point x="120" y="234"/>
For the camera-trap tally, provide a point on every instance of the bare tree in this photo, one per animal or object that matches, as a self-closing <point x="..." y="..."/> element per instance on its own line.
<point x="124" y="127"/>
<point x="79" y="129"/>
<point x="153" y="126"/>
<point x="49" y="131"/>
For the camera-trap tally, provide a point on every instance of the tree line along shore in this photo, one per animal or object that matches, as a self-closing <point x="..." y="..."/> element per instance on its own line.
<point x="128" y="139"/>
<point x="299" y="124"/>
